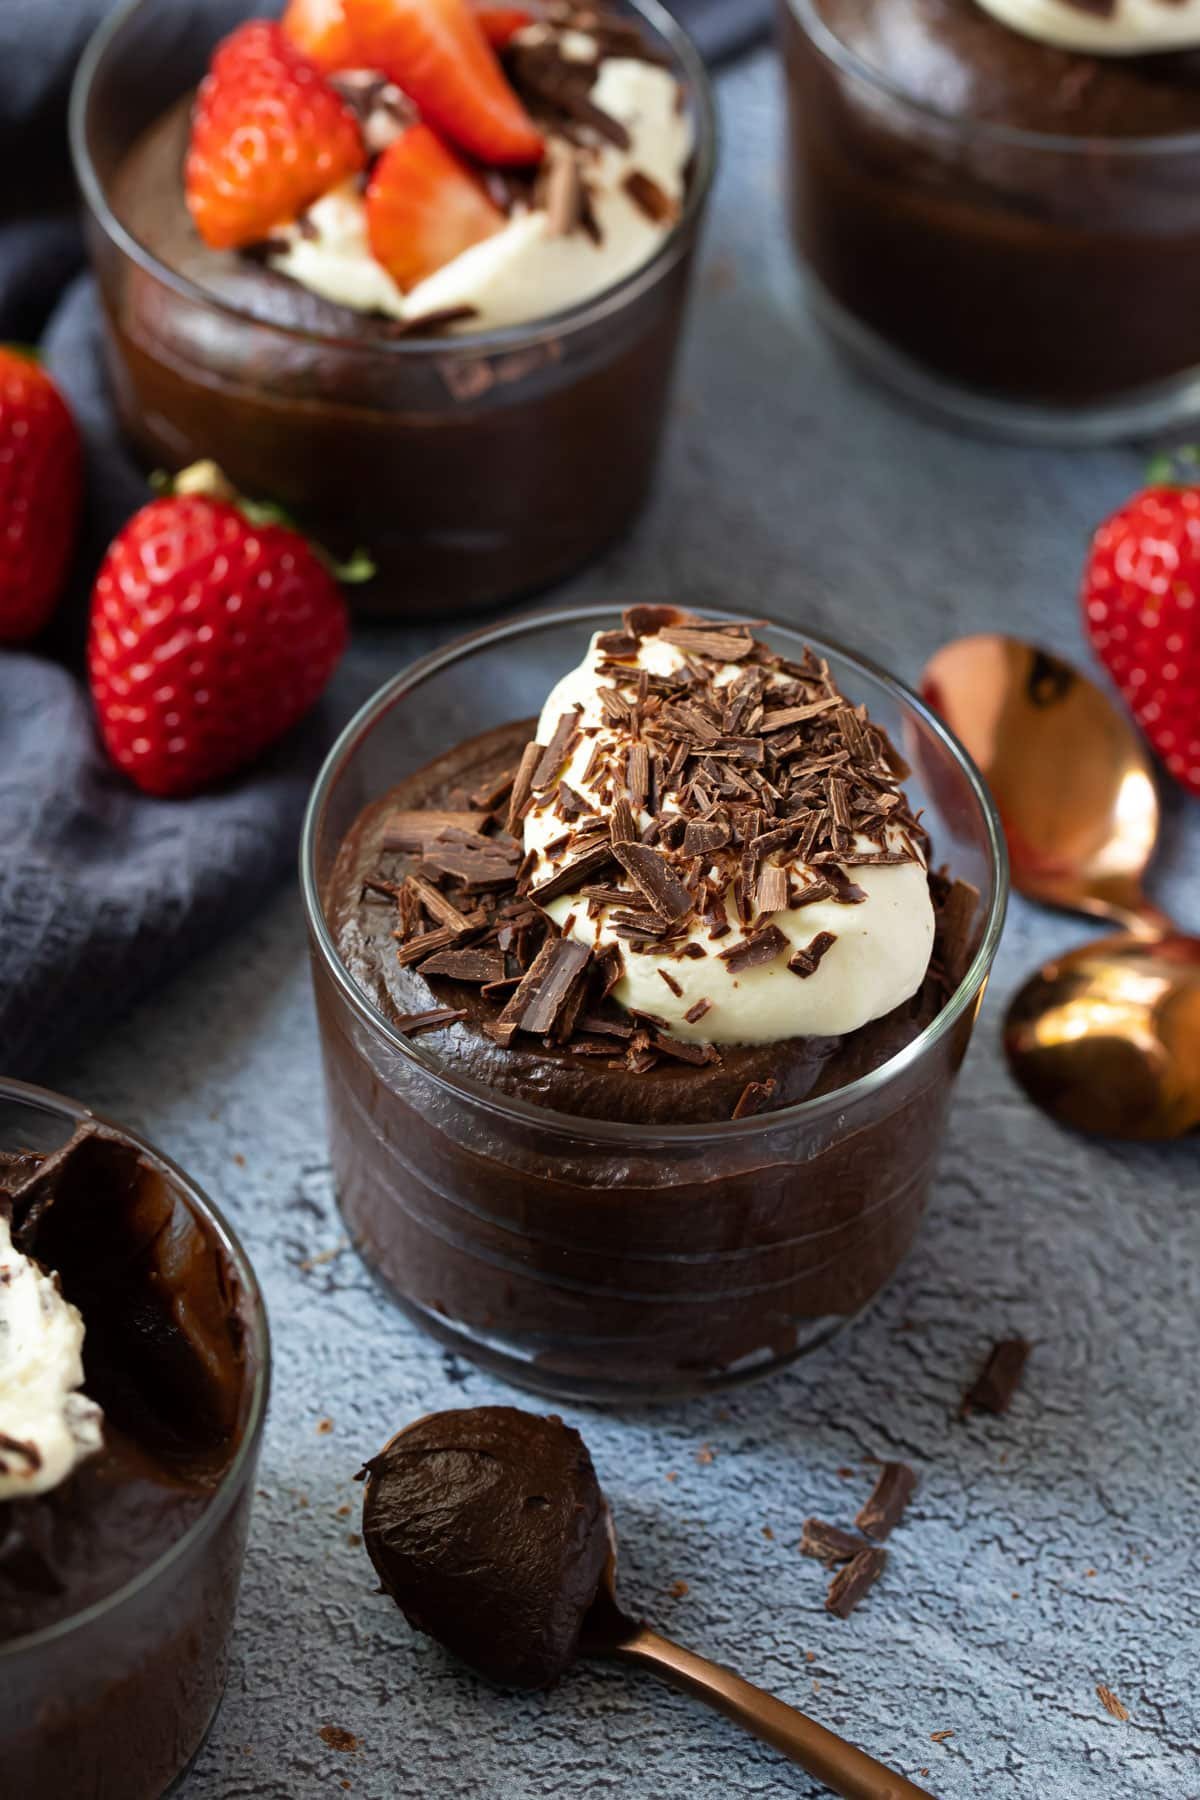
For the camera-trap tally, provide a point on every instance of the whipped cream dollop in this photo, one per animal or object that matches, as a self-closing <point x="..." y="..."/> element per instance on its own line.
<point x="835" y="963"/>
<point x="47" y="1427"/>
<point x="533" y="266"/>
<point x="1122" y="28"/>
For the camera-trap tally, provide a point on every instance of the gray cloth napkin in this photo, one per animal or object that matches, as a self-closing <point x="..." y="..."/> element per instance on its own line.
<point x="102" y="890"/>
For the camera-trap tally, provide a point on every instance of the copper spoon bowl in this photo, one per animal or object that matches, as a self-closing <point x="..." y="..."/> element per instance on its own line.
<point x="1106" y="1039"/>
<point x="846" y="1770"/>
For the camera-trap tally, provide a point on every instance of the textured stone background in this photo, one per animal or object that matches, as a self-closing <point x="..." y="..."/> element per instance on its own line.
<point x="1046" y="1551"/>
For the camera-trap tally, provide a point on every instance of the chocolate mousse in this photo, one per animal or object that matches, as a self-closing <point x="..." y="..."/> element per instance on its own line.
<point x="696" y="897"/>
<point x="1016" y="217"/>
<point x="139" y="1307"/>
<point x="489" y="1530"/>
<point x="367" y="392"/>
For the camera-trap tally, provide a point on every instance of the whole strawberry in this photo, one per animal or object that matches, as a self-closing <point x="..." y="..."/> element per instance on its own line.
<point x="269" y="136"/>
<point x="1141" y="605"/>
<point x="210" y="637"/>
<point x="41" y="484"/>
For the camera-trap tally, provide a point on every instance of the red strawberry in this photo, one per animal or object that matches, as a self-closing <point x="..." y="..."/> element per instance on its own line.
<point x="1141" y="604"/>
<point x="424" y="207"/>
<point x="40" y="489"/>
<point x="319" y="28"/>
<point x="210" y="637"/>
<point x="437" y="53"/>
<point x="500" y="23"/>
<point x="269" y="136"/>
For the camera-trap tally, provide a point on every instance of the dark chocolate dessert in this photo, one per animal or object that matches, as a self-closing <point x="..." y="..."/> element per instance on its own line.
<point x="131" y="1376"/>
<point x="695" y="898"/>
<point x="350" y="382"/>
<point x="1060" y="268"/>
<point x="489" y="1530"/>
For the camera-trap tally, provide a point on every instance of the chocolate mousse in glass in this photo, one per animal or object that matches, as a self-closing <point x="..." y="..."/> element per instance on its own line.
<point x="1004" y="229"/>
<point x="133" y="1380"/>
<point x="480" y="435"/>
<point x="640" y="990"/>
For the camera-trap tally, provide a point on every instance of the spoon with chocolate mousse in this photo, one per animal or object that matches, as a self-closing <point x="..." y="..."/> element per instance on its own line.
<point x="489" y="1529"/>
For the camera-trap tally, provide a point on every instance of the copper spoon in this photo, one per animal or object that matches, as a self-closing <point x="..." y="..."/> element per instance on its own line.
<point x="1105" y="1039"/>
<point x="609" y="1632"/>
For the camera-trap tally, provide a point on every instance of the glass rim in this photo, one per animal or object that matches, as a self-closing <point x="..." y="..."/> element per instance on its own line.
<point x="849" y="62"/>
<point x="529" y="333"/>
<point x="75" y="1113"/>
<point x="635" y="1133"/>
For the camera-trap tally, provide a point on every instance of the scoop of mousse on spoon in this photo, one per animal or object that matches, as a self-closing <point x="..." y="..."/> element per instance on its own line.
<point x="489" y="1529"/>
<point x="1105" y="1039"/>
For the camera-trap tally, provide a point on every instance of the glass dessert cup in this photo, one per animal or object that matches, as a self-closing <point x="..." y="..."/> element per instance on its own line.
<point x="115" y="1701"/>
<point x="594" y="1259"/>
<point x="1026" y="285"/>
<point x="472" y="468"/>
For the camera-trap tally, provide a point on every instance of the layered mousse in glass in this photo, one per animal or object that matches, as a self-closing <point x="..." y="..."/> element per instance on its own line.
<point x="998" y="202"/>
<point x="653" y="954"/>
<point x="420" y="280"/>
<point x="132" y="1379"/>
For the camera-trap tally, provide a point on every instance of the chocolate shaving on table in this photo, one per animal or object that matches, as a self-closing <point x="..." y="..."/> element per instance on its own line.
<point x="998" y="1380"/>
<point x="480" y="966"/>
<point x="852" y="1584"/>
<point x="760" y="947"/>
<point x="805" y="962"/>
<point x="433" y="1020"/>
<point x="879" y="1515"/>
<point x="754" y="1097"/>
<point x="829" y="1544"/>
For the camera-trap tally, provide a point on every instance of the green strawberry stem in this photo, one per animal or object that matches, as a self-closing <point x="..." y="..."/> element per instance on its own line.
<point x="1167" y="469"/>
<point x="207" y="478"/>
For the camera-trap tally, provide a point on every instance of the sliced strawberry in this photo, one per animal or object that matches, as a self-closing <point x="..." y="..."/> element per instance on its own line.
<point x="424" y="207"/>
<point x="437" y="53"/>
<point x="501" y="23"/>
<point x="269" y="136"/>
<point x="319" y="28"/>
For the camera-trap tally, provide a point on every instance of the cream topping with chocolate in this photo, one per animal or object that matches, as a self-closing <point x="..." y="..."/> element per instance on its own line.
<point x="619" y="140"/>
<point x="856" y="928"/>
<point x="47" y="1426"/>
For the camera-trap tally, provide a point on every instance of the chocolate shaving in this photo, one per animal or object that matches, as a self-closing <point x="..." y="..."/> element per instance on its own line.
<point x="481" y="966"/>
<point x="993" y="1388"/>
<point x="724" y="643"/>
<point x="700" y="1010"/>
<point x="755" y="950"/>
<point x="433" y="1020"/>
<point x="878" y="1517"/>
<point x="829" y="1544"/>
<point x="652" y="200"/>
<point x="416" y="949"/>
<point x="771" y="895"/>
<point x="652" y="873"/>
<point x="416" y="831"/>
<point x="754" y="1097"/>
<point x="695" y="1054"/>
<point x="805" y="962"/>
<point x="564" y="194"/>
<point x="435" y="903"/>
<point x="556" y="751"/>
<point x="820" y="889"/>
<point x="666" y="976"/>
<point x="476" y="871"/>
<point x="546" y="986"/>
<point x="853" y="1583"/>
<point x="522" y="789"/>
<point x="571" y="877"/>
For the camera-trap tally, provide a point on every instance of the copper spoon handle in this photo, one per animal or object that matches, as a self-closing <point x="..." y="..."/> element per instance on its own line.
<point x="847" y="1770"/>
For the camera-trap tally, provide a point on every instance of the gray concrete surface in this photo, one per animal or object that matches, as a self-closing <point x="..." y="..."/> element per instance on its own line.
<point x="1046" y="1552"/>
